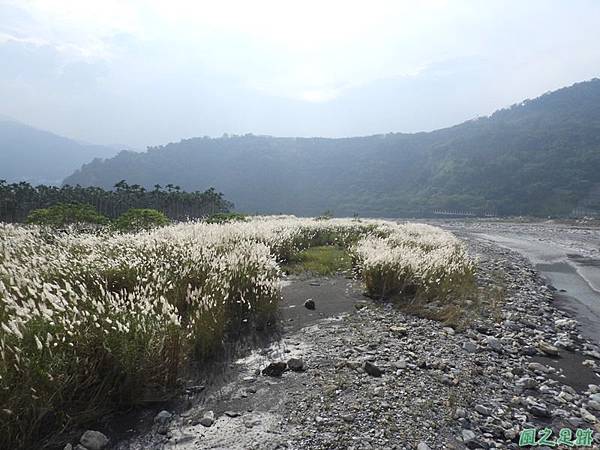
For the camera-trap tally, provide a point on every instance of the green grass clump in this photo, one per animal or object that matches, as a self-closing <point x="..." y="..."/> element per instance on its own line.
<point x="322" y="260"/>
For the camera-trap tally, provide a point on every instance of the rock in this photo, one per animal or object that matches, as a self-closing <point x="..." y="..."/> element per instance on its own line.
<point x="401" y="331"/>
<point x="232" y="414"/>
<point x="539" y="411"/>
<point x="196" y="389"/>
<point x="208" y="419"/>
<point x="460" y="413"/>
<point x="528" y="350"/>
<point x="423" y="446"/>
<point x="470" y="347"/>
<point x="484" y="410"/>
<point x="527" y="383"/>
<point x="548" y="349"/>
<point x="565" y="324"/>
<point x="275" y="369"/>
<point x="565" y="397"/>
<point x="536" y="366"/>
<point x="400" y="364"/>
<point x="448" y="380"/>
<point x="162" y="420"/>
<point x="593" y="354"/>
<point x="587" y="416"/>
<point x="163" y="417"/>
<point x="510" y="434"/>
<point x="93" y="440"/>
<point x="309" y="304"/>
<point x="483" y="329"/>
<point x="68" y="447"/>
<point x="372" y="369"/>
<point x="206" y="422"/>
<point x="295" y="364"/>
<point x="448" y="330"/>
<point x="423" y="364"/>
<point x="360" y="306"/>
<point x="467" y="436"/>
<point x="493" y="343"/>
<point x="251" y="421"/>
<point x="513" y="326"/>
<point x="592" y="404"/>
<point x="574" y="422"/>
<point x="348" y="418"/>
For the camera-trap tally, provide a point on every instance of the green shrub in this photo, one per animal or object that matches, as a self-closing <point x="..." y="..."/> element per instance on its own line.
<point x="63" y="214"/>
<point x="138" y="219"/>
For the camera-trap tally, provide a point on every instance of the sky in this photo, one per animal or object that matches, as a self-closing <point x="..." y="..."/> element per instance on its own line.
<point x="148" y="72"/>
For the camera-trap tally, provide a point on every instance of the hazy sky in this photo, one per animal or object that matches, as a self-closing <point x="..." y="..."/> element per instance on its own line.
<point x="148" y="72"/>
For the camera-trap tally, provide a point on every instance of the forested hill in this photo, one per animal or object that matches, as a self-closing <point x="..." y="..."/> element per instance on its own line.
<point x="41" y="157"/>
<point x="541" y="157"/>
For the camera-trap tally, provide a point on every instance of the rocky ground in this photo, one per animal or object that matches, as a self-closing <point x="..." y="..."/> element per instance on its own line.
<point x="375" y="377"/>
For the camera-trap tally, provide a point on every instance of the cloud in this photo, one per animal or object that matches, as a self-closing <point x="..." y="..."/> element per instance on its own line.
<point x="294" y="49"/>
<point x="155" y="70"/>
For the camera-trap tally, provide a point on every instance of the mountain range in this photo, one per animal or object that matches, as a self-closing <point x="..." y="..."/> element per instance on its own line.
<point x="539" y="157"/>
<point x="40" y="157"/>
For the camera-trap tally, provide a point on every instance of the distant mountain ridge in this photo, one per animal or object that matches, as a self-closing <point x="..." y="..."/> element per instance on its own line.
<point x="540" y="157"/>
<point x="41" y="157"/>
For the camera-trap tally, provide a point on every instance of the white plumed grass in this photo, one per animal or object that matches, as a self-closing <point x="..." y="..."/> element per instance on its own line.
<point x="95" y="320"/>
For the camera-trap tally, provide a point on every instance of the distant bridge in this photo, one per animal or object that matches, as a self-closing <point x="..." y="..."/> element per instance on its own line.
<point x="584" y="212"/>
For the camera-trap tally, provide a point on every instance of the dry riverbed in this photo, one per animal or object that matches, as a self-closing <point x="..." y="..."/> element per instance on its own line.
<point x="364" y="375"/>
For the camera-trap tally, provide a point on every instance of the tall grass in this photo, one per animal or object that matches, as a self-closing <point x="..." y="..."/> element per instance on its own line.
<point x="413" y="260"/>
<point x="90" y="322"/>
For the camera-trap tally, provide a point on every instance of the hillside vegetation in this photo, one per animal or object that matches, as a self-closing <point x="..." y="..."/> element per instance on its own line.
<point x="539" y="157"/>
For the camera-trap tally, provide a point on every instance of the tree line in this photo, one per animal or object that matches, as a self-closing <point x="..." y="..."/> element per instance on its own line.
<point x="17" y="200"/>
